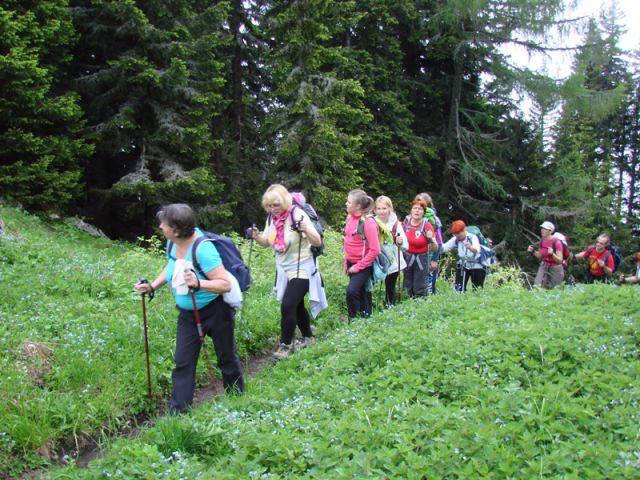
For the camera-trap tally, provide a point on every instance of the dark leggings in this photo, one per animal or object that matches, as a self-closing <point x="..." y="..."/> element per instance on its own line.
<point x="590" y="278"/>
<point x="477" y="276"/>
<point x="390" y="288"/>
<point x="293" y="311"/>
<point x="358" y="300"/>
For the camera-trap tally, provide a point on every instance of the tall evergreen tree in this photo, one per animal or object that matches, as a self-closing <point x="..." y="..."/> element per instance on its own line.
<point x="590" y="143"/>
<point x="316" y="114"/>
<point x="41" y="149"/>
<point x="243" y="157"/>
<point x="472" y="33"/>
<point x="150" y="83"/>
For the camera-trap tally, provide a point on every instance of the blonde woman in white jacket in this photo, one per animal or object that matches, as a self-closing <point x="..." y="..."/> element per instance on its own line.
<point x="384" y="211"/>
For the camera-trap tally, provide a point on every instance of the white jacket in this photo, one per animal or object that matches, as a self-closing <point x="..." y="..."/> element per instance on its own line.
<point x="317" y="296"/>
<point x="391" y="222"/>
<point x="468" y="259"/>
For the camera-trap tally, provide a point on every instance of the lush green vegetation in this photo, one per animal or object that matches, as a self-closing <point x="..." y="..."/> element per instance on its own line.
<point x="110" y="109"/>
<point x="503" y="383"/>
<point x="71" y="333"/>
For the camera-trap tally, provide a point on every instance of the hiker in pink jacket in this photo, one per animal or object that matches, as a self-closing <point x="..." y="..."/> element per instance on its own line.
<point x="359" y="252"/>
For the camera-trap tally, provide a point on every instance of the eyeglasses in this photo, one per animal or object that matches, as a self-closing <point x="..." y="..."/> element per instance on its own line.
<point x="604" y="244"/>
<point x="273" y="205"/>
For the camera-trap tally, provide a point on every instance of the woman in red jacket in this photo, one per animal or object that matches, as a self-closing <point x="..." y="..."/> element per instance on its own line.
<point x="421" y="239"/>
<point x="359" y="252"/>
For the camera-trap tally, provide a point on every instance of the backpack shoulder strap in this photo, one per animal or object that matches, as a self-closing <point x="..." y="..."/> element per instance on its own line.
<point x="291" y="212"/>
<point x="360" y="228"/>
<point x="194" y="253"/>
<point x="169" y="246"/>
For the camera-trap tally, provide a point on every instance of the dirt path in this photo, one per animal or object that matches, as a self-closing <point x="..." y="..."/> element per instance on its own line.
<point x="89" y="448"/>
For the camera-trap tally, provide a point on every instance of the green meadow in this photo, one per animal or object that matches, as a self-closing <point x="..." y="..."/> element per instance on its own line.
<point x="503" y="383"/>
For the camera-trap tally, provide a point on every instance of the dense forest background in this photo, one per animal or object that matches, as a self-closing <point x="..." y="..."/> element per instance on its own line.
<point x="109" y="109"/>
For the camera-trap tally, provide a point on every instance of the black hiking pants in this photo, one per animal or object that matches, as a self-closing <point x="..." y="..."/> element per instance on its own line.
<point x="218" y="322"/>
<point x="293" y="311"/>
<point x="590" y="278"/>
<point x="477" y="276"/>
<point x="359" y="301"/>
<point x="390" y="288"/>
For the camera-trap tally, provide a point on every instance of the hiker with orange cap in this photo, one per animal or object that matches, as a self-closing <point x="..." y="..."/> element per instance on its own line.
<point x="469" y="264"/>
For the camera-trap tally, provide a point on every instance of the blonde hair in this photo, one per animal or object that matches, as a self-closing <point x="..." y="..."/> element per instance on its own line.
<point x="384" y="200"/>
<point x="277" y="193"/>
<point x="360" y="198"/>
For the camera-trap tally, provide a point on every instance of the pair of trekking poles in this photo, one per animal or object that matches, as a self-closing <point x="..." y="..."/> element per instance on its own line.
<point x="196" y="314"/>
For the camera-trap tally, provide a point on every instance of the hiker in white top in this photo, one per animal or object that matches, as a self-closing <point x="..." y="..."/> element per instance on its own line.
<point x="291" y="234"/>
<point x="634" y="278"/>
<point x="469" y="265"/>
<point x="384" y="211"/>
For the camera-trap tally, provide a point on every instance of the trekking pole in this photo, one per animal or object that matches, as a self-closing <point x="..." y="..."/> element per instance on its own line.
<point x="399" y="272"/>
<point x="196" y="314"/>
<point x="146" y="334"/>
<point x="299" y="248"/>
<point x="251" y="247"/>
<point x="463" y="275"/>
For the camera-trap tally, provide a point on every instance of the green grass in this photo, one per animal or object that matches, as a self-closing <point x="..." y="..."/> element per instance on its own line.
<point x="503" y="384"/>
<point x="506" y="383"/>
<point x="70" y="296"/>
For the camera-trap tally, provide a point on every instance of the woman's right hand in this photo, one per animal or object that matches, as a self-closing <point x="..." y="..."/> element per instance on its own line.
<point x="143" y="287"/>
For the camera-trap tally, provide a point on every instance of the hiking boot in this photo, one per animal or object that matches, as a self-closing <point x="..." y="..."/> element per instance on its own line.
<point x="304" y="342"/>
<point x="283" y="351"/>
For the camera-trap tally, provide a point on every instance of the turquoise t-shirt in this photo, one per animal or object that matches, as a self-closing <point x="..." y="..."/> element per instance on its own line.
<point x="209" y="258"/>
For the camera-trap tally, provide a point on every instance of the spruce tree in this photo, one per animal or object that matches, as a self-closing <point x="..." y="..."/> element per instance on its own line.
<point x="150" y="84"/>
<point x="41" y="150"/>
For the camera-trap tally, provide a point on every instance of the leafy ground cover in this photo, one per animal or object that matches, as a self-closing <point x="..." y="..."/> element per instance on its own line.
<point x="506" y="383"/>
<point x="71" y="334"/>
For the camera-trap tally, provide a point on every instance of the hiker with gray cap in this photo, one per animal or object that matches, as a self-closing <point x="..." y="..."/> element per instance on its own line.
<point x="549" y="252"/>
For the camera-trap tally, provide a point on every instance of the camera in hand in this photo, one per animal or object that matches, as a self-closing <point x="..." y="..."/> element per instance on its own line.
<point x="248" y="233"/>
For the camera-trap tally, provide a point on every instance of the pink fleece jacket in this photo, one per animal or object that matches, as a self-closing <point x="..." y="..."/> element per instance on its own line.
<point x="357" y="251"/>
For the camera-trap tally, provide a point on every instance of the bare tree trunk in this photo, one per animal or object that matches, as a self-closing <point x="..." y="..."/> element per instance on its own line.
<point x="453" y="123"/>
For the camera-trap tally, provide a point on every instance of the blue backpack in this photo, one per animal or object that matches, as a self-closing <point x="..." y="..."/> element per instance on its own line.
<point x="229" y="253"/>
<point x="487" y="254"/>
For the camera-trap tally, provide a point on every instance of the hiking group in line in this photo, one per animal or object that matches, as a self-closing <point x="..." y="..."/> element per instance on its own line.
<point x="207" y="277"/>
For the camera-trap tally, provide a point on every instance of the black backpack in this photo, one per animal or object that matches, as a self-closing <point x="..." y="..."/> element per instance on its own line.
<point x="300" y="202"/>
<point x="229" y="253"/>
<point x="617" y="255"/>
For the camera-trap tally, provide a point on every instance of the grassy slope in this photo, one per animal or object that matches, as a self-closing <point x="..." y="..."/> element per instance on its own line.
<point x="70" y="295"/>
<point x="502" y="384"/>
<point x="507" y="383"/>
